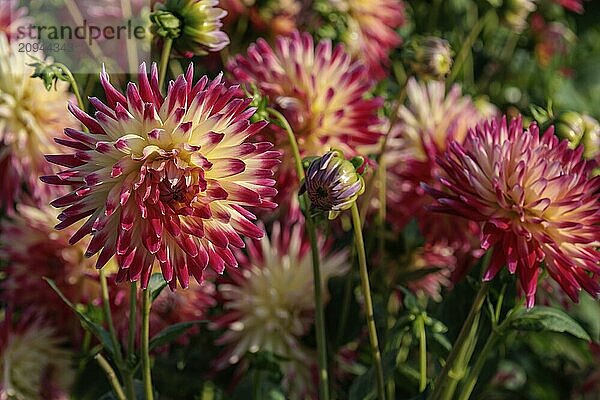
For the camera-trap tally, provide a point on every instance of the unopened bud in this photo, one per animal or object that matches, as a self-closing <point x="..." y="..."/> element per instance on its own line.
<point x="332" y="183"/>
<point x="515" y="13"/>
<point x="570" y="126"/>
<point x="165" y="24"/>
<point x="49" y="73"/>
<point x="429" y="57"/>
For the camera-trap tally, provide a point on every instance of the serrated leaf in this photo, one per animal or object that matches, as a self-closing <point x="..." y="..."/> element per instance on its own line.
<point x="97" y="330"/>
<point x="171" y="333"/>
<point x="547" y="319"/>
<point x="156" y="285"/>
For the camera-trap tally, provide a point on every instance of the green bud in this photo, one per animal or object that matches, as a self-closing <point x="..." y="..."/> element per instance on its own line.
<point x="515" y="13"/>
<point x="570" y="125"/>
<point x="429" y="57"/>
<point x="49" y="73"/>
<point x="165" y="24"/>
<point x="591" y="137"/>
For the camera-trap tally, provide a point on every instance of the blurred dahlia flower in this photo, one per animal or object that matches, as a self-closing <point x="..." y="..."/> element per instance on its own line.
<point x="319" y="90"/>
<point x="194" y="25"/>
<point x="431" y="120"/>
<point x="33" y="365"/>
<point x="165" y="179"/>
<point x="571" y="5"/>
<point x="269" y="302"/>
<point x="11" y="17"/>
<point x="432" y="256"/>
<point x="34" y="250"/>
<point x="29" y="117"/>
<point x="535" y="201"/>
<point x="371" y="33"/>
<point x="275" y="17"/>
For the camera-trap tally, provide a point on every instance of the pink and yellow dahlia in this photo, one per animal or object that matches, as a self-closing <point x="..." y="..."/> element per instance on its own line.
<point x="34" y="250"/>
<point x="320" y="91"/>
<point x="29" y="117"/>
<point x="269" y="303"/>
<point x="12" y="17"/>
<point x="166" y="179"/>
<point x="535" y="200"/>
<point x="371" y="32"/>
<point x="429" y="121"/>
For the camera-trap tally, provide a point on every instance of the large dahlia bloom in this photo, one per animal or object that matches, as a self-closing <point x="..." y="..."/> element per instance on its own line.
<point x="269" y="302"/>
<point x="319" y="90"/>
<point x="371" y="32"/>
<point x="534" y="199"/>
<point x="166" y="179"/>
<point x="429" y="121"/>
<point x="33" y="364"/>
<point x="33" y="250"/>
<point x="29" y="117"/>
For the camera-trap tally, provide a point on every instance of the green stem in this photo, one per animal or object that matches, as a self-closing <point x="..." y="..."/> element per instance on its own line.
<point x="364" y="280"/>
<point x="382" y="174"/>
<point x="467" y="45"/>
<point x="147" y="374"/>
<point x="73" y="84"/>
<point x="129" y="385"/>
<point x="490" y="344"/>
<point x="446" y="382"/>
<point x="164" y="60"/>
<point x="317" y="284"/>
<point x="370" y="185"/>
<point x="422" y="354"/>
<point x="111" y="375"/>
<point x="132" y="317"/>
<point x="108" y="319"/>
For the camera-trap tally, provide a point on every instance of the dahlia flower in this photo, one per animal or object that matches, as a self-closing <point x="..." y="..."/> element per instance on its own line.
<point x="534" y="199"/>
<point x="429" y="57"/>
<point x="165" y="179"/>
<point x="194" y="25"/>
<point x="432" y="256"/>
<point x="11" y="17"/>
<point x="33" y="250"/>
<point x="571" y="5"/>
<point x="371" y="32"/>
<point x="29" y="117"/>
<point x="33" y="366"/>
<point x="269" y="303"/>
<point x="431" y="119"/>
<point x="320" y="91"/>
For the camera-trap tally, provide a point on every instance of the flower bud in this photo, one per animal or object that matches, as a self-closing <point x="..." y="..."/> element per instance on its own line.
<point x="429" y="57"/>
<point x="591" y="137"/>
<point x="165" y="24"/>
<point x="49" y="73"/>
<point x="332" y="183"/>
<point x="570" y="125"/>
<point x="193" y="25"/>
<point x="515" y="13"/>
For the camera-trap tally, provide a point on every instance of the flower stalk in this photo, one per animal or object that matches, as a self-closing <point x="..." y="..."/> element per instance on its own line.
<point x="458" y="359"/>
<point x="310" y="227"/>
<point x="366" y="290"/>
<point x="147" y="374"/>
<point x="164" y="60"/>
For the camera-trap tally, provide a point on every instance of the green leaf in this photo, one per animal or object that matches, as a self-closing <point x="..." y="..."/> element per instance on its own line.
<point x="171" y="333"/>
<point x="364" y="386"/>
<point x="97" y="330"/>
<point x="156" y="285"/>
<point x="547" y="319"/>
